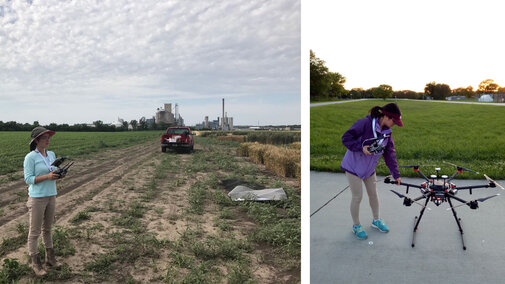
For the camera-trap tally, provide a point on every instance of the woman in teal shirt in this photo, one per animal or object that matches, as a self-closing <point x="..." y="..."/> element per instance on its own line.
<point x="41" y="203"/>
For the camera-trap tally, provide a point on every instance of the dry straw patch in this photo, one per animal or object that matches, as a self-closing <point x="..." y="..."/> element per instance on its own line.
<point x="284" y="162"/>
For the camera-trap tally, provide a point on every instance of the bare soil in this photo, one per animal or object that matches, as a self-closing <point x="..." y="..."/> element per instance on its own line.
<point x="107" y="186"/>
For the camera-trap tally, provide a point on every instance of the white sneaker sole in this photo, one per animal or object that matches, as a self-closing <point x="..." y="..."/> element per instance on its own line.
<point x="373" y="226"/>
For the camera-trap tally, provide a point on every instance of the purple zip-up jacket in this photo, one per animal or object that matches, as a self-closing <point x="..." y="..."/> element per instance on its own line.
<point x="359" y="164"/>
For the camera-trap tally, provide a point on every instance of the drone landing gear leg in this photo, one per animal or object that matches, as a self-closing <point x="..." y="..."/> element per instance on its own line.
<point x="458" y="221"/>
<point x="417" y="220"/>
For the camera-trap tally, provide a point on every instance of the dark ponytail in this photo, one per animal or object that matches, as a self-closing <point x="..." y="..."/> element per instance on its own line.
<point x="376" y="112"/>
<point x="33" y="145"/>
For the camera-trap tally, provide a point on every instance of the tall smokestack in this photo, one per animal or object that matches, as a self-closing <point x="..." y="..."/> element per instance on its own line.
<point x="222" y="119"/>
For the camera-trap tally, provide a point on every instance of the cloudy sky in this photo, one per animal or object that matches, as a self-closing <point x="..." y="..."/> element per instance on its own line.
<point x="407" y="44"/>
<point x="81" y="61"/>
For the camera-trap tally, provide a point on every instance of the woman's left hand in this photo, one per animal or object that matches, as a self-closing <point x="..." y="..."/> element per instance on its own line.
<point x="398" y="180"/>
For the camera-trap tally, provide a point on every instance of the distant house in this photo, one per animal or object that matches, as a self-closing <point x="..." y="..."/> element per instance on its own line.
<point x="455" y="98"/>
<point x="485" y="98"/>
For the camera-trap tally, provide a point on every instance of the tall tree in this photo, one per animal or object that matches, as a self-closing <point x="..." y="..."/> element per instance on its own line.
<point x="467" y="92"/>
<point x="336" y="85"/>
<point x="437" y="91"/>
<point x="134" y="124"/>
<point x="318" y="82"/>
<point x="324" y="83"/>
<point x="383" y="91"/>
<point x="487" y="86"/>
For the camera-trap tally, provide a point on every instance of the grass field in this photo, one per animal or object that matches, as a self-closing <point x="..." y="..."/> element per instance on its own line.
<point x="14" y="145"/>
<point x="472" y="136"/>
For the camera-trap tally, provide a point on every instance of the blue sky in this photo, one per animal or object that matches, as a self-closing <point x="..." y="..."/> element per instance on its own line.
<point x="80" y="61"/>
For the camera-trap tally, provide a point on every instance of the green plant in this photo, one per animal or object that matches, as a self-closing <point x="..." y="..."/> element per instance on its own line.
<point x="81" y="217"/>
<point x="240" y="273"/>
<point x="12" y="271"/>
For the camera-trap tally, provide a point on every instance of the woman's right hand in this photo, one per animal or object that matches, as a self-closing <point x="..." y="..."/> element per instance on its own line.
<point x="52" y="176"/>
<point x="365" y="150"/>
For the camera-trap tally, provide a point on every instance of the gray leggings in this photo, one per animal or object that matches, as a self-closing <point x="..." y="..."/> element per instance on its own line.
<point x="357" y="195"/>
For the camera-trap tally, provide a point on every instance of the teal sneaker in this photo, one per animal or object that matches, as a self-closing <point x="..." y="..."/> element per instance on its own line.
<point x="359" y="232"/>
<point x="380" y="225"/>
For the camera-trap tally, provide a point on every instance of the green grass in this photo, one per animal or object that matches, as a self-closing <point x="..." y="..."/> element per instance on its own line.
<point x="14" y="145"/>
<point x="468" y="135"/>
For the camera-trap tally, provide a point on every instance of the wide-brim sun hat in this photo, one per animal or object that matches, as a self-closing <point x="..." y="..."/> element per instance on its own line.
<point x="392" y="110"/>
<point x="39" y="131"/>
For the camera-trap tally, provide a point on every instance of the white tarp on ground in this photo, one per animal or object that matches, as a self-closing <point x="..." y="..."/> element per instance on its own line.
<point x="241" y="193"/>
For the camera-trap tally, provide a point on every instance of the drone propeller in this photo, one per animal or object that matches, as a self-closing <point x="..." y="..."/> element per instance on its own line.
<point x="410" y="199"/>
<point x="493" y="181"/>
<point x="474" y="201"/>
<point x="458" y="167"/>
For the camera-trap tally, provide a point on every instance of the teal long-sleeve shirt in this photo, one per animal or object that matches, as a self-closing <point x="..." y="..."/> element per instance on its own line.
<point x="34" y="166"/>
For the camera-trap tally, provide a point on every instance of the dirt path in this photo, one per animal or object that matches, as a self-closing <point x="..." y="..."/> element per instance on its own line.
<point x="138" y="215"/>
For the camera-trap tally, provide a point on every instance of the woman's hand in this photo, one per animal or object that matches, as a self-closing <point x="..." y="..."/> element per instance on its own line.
<point x="53" y="176"/>
<point x="365" y="150"/>
<point x="398" y="180"/>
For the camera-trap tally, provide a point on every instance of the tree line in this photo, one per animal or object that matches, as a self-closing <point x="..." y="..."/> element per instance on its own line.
<point x="325" y="85"/>
<point x="97" y="126"/>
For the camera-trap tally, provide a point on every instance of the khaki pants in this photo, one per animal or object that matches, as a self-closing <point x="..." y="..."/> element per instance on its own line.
<point x="355" y="184"/>
<point x="41" y="211"/>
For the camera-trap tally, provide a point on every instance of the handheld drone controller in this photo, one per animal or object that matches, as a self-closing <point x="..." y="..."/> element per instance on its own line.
<point x="376" y="147"/>
<point x="61" y="170"/>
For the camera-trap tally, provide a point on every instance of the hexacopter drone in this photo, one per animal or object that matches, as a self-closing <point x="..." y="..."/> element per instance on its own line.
<point x="439" y="189"/>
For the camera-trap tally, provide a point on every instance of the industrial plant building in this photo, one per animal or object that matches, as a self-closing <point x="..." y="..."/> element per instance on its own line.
<point x="165" y="115"/>
<point x="222" y="123"/>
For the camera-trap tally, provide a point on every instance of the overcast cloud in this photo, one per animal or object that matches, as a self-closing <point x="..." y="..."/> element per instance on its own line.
<point x="81" y="61"/>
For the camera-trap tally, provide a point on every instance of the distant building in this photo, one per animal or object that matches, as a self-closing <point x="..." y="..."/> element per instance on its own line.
<point x="118" y="123"/>
<point x="165" y="115"/>
<point x="486" y="98"/>
<point x="455" y="98"/>
<point x="206" y="124"/>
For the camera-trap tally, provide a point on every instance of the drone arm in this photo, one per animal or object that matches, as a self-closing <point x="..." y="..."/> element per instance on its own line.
<point x="470" y="187"/>
<point x="458" y="199"/>
<point x="453" y="176"/>
<point x="420" y="197"/>
<point x="421" y="174"/>
<point x="407" y="184"/>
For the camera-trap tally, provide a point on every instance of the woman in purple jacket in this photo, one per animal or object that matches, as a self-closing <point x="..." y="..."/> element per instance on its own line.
<point x="359" y="163"/>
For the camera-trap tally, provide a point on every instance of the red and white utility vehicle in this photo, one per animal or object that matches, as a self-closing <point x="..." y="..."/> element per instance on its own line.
<point x="179" y="138"/>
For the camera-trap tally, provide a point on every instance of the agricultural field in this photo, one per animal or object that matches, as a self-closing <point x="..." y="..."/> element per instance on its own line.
<point x="130" y="213"/>
<point x="14" y="145"/>
<point x="469" y="135"/>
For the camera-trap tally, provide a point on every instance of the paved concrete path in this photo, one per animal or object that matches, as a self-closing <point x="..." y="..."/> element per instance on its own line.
<point x="338" y="257"/>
